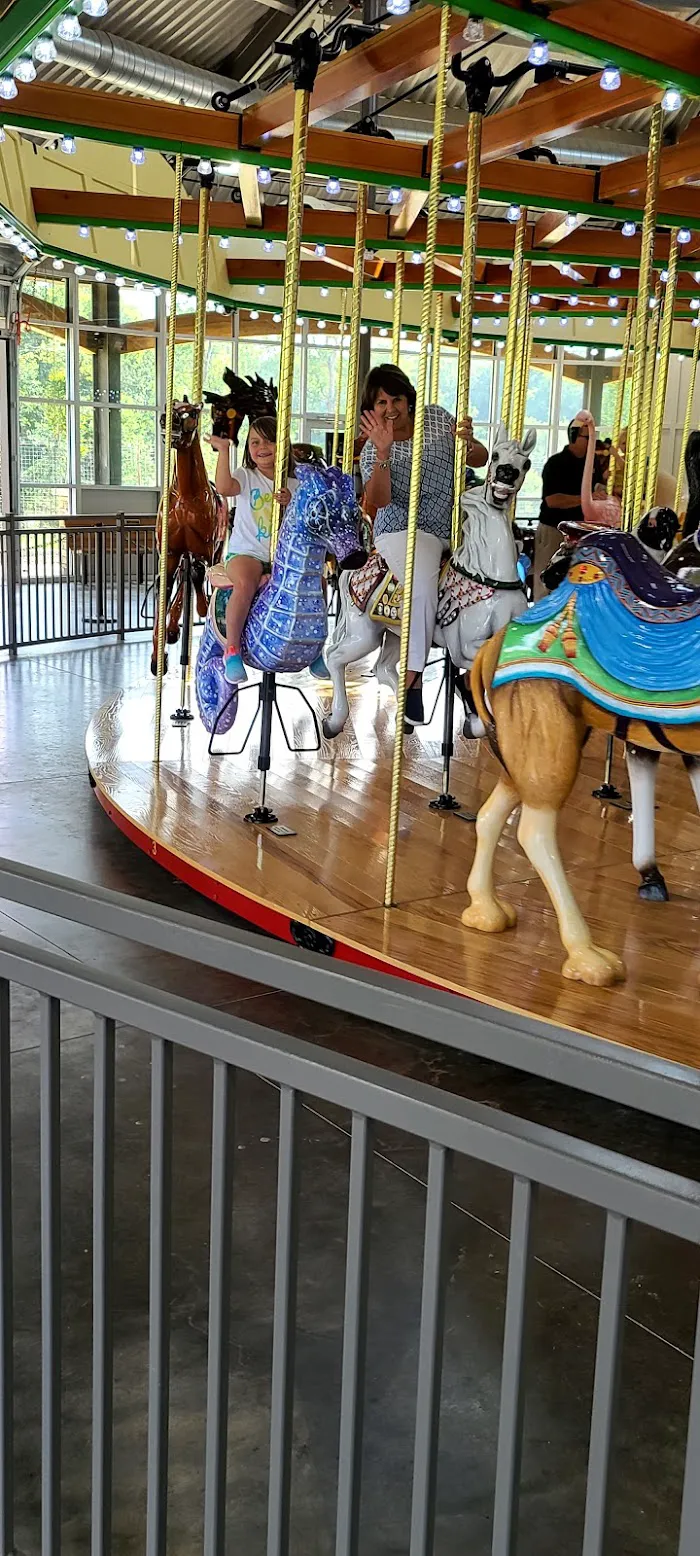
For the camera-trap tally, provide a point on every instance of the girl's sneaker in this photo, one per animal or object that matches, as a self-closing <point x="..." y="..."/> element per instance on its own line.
<point x="319" y="668"/>
<point x="234" y="669"/>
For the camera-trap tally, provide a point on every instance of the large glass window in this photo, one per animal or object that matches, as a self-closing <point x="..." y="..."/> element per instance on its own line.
<point x="44" y="481"/>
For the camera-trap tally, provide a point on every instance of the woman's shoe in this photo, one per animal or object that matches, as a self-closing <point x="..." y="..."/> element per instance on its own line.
<point x="234" y="669"/>
<point x="413" y="712"/>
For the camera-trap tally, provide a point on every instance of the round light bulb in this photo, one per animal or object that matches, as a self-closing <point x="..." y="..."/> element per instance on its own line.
<point x="332" y="186"/>
<point x="8" y="87"/>
<point x="571" y="221"/>
<point x="454" y="204"/>
<point x="613" y="302"/>
<point x="264" y="176"/>
<point x="254" y="313"/>
<point x="100" y="275"/>
<point x="398" y="7"/>
<point x="67" y="145"/>
<point x="45" y="49"/>
<point x="321" y="324"/>
<point x="671" y="99"/>
<point x="535" y="299"/>
<point x="684" y="235"/>
<point x="388" y="293"/>
<point x="69" y="28"/>
<point x="224" y="243"/>
<point x="615" y="321"/>
<point x="614" y="272"/>
<point x="120" y="280"/>
<point x="539" y="52"/>
<point x="663" y="277"/>
<point x="261" y="291"/>
<point x="320" y="251"/>
<point x="610" y="78"/>
<point x="629" y="229"/>
<point x="416" y="258"/>
<point x="95" y="8"/>
<point x="573" y="301"/>
<point x="57" y="264"/>
<point x="590" y="323"/>
<point x="324" y="291"/>
<point x="549" y="346"/>
<point x="513" y="213"/>
<point x="137" y="156"/>
<point x="268" y="245"/>
<point x="498" y="297"/>
<point x="384" y="333"/>
<point x="395" y="195"/>
<point x="277" y="318"/>
<point x="130" y="234"/>
<point x="24" y="68"/>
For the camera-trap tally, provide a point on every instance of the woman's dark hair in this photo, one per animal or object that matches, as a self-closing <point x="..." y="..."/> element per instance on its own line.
<point x="392" y="380"/>
<point x="692" y="470"/>
<point x="266" y="427"/>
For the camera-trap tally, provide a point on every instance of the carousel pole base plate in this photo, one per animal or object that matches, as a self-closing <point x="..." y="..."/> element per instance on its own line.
<point x="445" y="802"/>
<point x="262" y="816"/>
<point x="181" y="716"/>
<point x="609" y="795"/>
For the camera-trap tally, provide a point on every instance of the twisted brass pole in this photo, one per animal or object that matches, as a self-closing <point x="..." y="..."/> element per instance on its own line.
<point x="339" y="383"/>
<point x="167" y="454"/>
<point x="200" y="327"/>
<point x="417" y="450"/>
<point x="466" y="311"/>
<point x="688" y="419"/>
<point x="398" y="308"/>
<point x="634" y="447"/>
<point x="358" y="271"/>
<point x="295" y="213"/>
<point x="510" y="355"/>
<point x="645" y="418"/>
<point x="620" y="396"/>
<point x="522" y="364"/>
<point x="657" y="425"/>
<point x="437" y="344"/>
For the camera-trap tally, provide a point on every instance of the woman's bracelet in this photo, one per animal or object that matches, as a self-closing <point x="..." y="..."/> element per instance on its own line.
<point x="382" y="464"/>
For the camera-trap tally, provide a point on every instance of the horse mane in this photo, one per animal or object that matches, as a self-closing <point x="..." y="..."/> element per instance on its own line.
<point x="692" y="469"/>
<point x="476" y="514"/>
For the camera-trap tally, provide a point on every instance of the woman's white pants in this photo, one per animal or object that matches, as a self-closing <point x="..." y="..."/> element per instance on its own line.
<point x="426" y="572"/>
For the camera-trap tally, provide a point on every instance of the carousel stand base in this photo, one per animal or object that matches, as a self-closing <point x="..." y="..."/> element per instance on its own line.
<point x="181" y="716"/>
<point x="445" y="802"/>
<point x="609" y="795"/>
<point x="262" y="816"/>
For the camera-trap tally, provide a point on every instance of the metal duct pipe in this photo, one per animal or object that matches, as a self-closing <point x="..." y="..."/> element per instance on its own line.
<point x="587" y="150"/>
<point x="157" y="75"/>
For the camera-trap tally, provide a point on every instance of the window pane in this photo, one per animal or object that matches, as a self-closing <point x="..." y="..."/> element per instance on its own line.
<point x="218" y="355"/>
<point x="36" y="500"/>
<point x="573" y="393"/>
<point x="138" y="372"/>
<point x="42" y="363"/>
<point x="539" y="393"/>
<point x="139" y="465"/>
<point x="118" y="447"/>
<point x="263" y="357"/>
<point x="322" y="378"/>
<point x="43" y="443"/>
<point x="44" y="299"/>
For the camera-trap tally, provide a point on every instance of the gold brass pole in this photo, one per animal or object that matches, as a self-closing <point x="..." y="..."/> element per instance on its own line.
<point x="437" y="344"/>
<point x="647" y="402"/>
<point x="522" y="371"/>
<point x="640" y="329"/>
<point x="398" y="308"/>
<point x="620" y="396"/>
<point x="358" y="271"/>
<point x="688" y="419"/>
<point x="466" y="311"/>
<point x="511" y="350"/>
<point x="295" y="212"/>
<point x="200" y="326"/>
<point x="657" y="425"/>
<point x="417" y="450"/>
<point x="339" y="384"/>
<point x="167" y="453"/>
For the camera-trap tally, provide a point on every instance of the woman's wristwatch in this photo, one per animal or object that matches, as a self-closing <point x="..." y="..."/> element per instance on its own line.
<point x="382" y="464"/>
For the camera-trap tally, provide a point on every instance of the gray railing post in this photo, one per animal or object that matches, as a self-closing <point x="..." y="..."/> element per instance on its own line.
<point x="122" y="540"/>
<point x="12" y="586"/>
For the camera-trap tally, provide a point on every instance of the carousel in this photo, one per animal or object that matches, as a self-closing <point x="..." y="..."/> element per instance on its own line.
<point x="486" y="847"/>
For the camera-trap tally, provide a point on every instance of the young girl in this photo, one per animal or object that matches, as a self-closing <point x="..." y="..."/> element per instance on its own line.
<point x="249" y="554"/>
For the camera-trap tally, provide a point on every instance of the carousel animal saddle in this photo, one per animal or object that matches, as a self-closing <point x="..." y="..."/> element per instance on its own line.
<point x="619" y="628"/>
<point x="374" y="585"/>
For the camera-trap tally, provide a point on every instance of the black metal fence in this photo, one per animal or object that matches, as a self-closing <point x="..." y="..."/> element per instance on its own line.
<point x="66" y="579"/>
<point x="619" y="1190"/>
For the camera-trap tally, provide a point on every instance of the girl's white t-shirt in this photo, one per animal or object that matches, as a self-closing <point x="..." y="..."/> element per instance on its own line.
<point x="252" y="522"/>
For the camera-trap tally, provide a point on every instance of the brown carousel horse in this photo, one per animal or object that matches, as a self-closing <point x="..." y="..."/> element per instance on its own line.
<point x="198" y="518"/>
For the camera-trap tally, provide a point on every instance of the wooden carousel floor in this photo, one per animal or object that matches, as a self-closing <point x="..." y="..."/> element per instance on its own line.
<point x="330" y="873"/>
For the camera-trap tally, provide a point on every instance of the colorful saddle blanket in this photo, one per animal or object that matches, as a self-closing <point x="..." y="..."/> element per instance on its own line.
<point x="455" y="592"/>
<point x="620" y="629"/>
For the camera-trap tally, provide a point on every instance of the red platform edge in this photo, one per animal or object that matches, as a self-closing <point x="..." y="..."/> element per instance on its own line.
<point x="272" y="920"/>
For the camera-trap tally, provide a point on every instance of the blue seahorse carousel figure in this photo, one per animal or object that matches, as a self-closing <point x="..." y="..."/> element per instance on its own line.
<point x="286" y="625"/>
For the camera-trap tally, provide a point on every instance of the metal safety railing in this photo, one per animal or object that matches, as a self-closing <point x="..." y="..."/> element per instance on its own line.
<point x="622" y="1190"/>
<point x="62" y="580"/>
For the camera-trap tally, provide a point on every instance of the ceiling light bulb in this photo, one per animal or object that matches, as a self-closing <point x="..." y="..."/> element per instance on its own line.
<point x="320" y="251"/>
<point x="573" y="301"/>
<point x="563" y="323"/>
<point x="324" y="291"/>
<point x="130" y="234"/>
<point x="83" y="232"/>
<point x="333" y="186"/>
<point x="571" y="221"/>
<point x="684" y="235"/>
<point x="45" y="49"/>
<point x="395" y="195"/>
<point x="277" y="318"/>
<point x="100" y="275"/>
<point x="120" y="280"/>
<point x="594" y="351"/>
<point x="671" y="99"/>
<point x="137" y="156"/>
<point x="210" y="305"/>
<point x="652" y="302"/>
<point x="663" y="277"/>
<point x="261" y="291"/>
<point x="629" y="229"/>
<point x="264" y="176"/>
<point x="694" y="303"/>
<point x="254" y="313"/>
<point x="542" y="322"/>
<point x="179" y="241"/>
<point x="416" y="258"/>
<point x="615" y="321"/>
<point x="57" y="264"/>
<point x="476" y="343"/>
<point x="388" y="293"/>
<point x="24" y="68"/>
<point x="69" y="27"/>
<point x="95" y="8"/>
<point x="613" y="302"/>
<point x="459" y="299"/>
<point x="474" y="30"/>
<point x="696" y="324"/>
<point x="8" y="87"/>
<point x="454" y="204"/>
<point x="219" y="308"/>
<point x="268" y="245"/>
<point x="398" y="7"/>
<point x="535" y="299"/>
<point x="363" y="329"/>
<point x="224" y="242"/>
<point x="204" y="167"/>
<point x="498" y="297"/>
<point x="321" y="324"/>
<point x="548" y="346"/>
<point x="384" y="332"/>
<point x="80" y="270"/>
<point x="610" y="78"/>
<point x="539" y="52"/>
<point x="590" y="323"/>
<point x="67" y="145"/>
<point x="513" y="213"/>
<point x="614" y="272"/>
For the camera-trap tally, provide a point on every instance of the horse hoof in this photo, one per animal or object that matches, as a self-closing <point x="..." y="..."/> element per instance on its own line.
<point x="473" y="728"/>
<point x="591" y="964"/>
<point x="329" y="733"/>
<point x="173" y="635"/>
<point x="490" y="915"/>
<point x="653" y="887"/>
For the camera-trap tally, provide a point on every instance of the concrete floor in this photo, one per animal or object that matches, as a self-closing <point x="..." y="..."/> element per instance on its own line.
<point x="48" y="816"/>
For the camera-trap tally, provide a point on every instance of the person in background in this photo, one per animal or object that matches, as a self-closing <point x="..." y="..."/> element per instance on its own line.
<point x="562" y="478"/>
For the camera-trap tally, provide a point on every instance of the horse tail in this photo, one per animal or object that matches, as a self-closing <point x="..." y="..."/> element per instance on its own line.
<point x="216" y="699"/>
<point x="481" y="680"/>
<point x="340" y="625"/>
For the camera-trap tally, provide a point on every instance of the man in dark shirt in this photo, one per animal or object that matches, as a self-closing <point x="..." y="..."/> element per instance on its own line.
<point x="562" y="478"/>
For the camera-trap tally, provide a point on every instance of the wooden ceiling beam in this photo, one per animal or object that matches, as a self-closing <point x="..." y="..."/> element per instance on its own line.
<point x="555" y="227"/>
<point x="250" y="195"/>
<point x="386" y="60"/>
<point x="678" y="165"/>
<point x="409" y="211"/>
<point x="547" y="113"/>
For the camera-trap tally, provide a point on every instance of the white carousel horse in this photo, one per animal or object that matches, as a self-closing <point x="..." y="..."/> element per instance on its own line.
<point x="480" y="588"/>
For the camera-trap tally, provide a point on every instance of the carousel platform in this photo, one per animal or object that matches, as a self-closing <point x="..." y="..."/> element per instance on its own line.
<point x="325" y="871"/>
